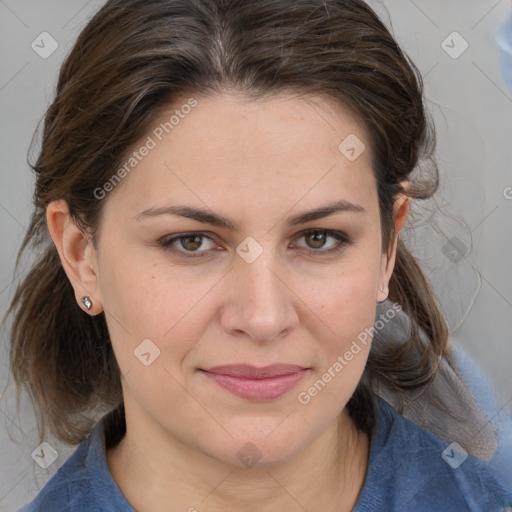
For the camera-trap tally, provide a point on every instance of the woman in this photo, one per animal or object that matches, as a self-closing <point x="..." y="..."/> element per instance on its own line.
<point x="220" y="193"/>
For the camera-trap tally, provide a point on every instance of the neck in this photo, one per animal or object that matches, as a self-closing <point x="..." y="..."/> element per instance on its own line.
<point x="152" y="469"/>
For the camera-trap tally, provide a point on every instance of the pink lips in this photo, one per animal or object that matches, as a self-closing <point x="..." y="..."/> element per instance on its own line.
<point x="258" y="384"/>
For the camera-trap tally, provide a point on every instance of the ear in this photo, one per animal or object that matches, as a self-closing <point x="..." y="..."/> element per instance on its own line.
<point x="400" y="214"/>
<point x="77" y="254"/>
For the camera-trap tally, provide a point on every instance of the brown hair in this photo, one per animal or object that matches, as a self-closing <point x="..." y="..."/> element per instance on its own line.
<point x="128" y="63"/>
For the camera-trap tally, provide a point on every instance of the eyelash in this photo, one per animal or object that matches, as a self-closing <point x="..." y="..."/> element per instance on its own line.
<point x="343" y="241"/>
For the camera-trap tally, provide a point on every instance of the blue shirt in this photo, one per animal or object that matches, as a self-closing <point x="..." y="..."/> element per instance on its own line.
<point x="410" y="469"/>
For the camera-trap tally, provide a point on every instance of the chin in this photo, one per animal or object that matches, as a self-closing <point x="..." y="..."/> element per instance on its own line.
<point x="259" y="451"/>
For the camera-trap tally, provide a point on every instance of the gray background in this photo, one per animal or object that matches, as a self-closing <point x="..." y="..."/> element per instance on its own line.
<point x="472" y="109"/>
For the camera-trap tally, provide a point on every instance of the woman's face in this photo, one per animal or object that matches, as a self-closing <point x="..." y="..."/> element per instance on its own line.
<point x="260" y="292"/>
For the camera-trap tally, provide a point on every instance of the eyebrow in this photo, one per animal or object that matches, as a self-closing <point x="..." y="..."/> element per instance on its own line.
<point x="208" y="217"/>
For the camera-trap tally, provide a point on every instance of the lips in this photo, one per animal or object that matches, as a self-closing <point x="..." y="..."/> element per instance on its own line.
<point x="257" y="384"/>
<point x="253" y="372"/>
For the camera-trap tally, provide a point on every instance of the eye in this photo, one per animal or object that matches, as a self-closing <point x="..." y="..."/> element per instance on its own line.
<point x="316" y="239"/>
<point x="188" y="242"/>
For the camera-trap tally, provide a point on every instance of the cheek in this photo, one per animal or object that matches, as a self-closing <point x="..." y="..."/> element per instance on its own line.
<point x="342" y="329"/>
<point x="345" y="300"/>
<point x="145" y="300"/>
<point x="143" y="292"/>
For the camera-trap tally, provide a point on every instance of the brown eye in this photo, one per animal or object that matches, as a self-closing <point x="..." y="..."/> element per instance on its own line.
<point x="192" y="242"/>
<point x="189" y="244"/>
<point x="316" y="241"/>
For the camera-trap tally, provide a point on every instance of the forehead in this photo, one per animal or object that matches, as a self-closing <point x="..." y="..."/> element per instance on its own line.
<point x="278" y="149"/>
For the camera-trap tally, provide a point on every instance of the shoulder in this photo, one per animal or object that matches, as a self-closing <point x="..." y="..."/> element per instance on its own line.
<point x="68" y="489"/>
<point x="83" y="483"/>
<point x="432" y="463"/>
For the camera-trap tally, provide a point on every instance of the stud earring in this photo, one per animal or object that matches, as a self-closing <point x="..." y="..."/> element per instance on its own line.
<point x="87" y="303"/>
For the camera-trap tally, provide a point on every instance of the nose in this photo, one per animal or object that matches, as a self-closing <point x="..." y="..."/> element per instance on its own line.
<point x="259" y="304"/>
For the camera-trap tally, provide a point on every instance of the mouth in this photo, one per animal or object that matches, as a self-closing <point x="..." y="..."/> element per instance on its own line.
<point x="256" y="384"/>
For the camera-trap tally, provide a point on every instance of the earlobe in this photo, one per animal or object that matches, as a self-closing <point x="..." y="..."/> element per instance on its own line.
<point x="77" y="255"/>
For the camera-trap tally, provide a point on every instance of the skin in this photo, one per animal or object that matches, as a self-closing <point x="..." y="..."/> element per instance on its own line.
<point x="256" y="163"/>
